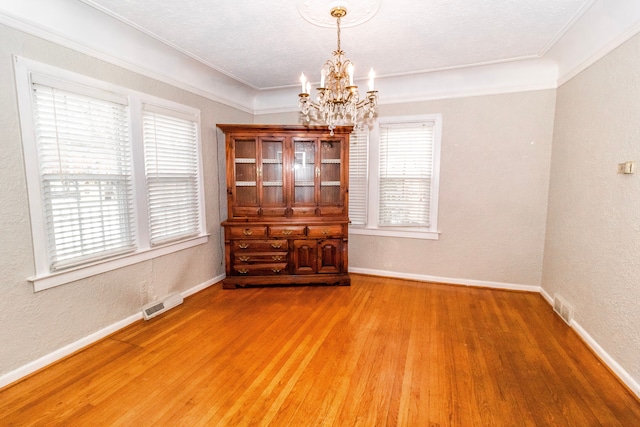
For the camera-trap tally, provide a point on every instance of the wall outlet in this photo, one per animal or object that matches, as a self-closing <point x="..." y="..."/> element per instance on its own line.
<point x="626" y="168"/>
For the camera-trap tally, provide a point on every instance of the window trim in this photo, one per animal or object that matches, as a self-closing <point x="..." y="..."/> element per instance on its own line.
<point x="372" y="228"/>
<point x="44" y="278"/>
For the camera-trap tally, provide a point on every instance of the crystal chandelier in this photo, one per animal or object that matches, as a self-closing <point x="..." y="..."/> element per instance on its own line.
<point x="338" y="101"/>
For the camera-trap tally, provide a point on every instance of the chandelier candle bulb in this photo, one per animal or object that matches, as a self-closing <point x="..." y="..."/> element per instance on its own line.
<point x="371" y="76"/>
<point x="323" y="74"/>
<point x="350" y="72"/>
<point x="303" y="80"/>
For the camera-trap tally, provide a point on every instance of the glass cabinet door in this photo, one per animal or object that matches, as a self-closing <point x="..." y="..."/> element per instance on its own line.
<point x="246" y="180"/>
<point x="270" y="177"/>
<point x="304" y="176"/>
<point x="330" y="166"/>
<point x="332" y="184"/>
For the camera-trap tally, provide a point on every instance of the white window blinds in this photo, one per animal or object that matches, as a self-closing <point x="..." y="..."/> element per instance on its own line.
<point x="172" y="170"/>
<point x="358" y="151"/>
<point x="406" y="171"/>
<point x="86" y="177"/>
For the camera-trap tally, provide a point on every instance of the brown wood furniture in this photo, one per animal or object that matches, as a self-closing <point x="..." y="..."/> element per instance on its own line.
<point x="287" y="200"/>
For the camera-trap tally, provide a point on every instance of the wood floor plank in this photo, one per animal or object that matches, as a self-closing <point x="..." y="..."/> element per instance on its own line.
<point x="382" y="352"/>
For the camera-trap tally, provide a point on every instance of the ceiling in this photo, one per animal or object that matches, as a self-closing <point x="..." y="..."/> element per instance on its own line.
<point x="267" y="43"/>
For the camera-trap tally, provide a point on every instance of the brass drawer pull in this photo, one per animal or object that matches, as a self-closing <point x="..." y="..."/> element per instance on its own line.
<point x="276" y="245"/>
<point x="247" y="232"/>
<point x="287" y="232"/>
<point x="275" y="270"/>
<point x="277" y="257"/>
<point x="243" y="270"/>
<point x="325" y="232"/>
<point x="243" y="245"/>
<point x="244" y="258"/>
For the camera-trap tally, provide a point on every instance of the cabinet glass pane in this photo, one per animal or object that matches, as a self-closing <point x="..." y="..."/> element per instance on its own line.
<point x="330" y="166"/>
<point x="245" y="170"/>
<point x="304" y="172"/>
<point x="272" y="183"/>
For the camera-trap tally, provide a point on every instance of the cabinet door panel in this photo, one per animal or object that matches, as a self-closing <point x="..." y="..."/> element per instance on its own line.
<point x="329" y="256"/>
<point x="304" y="256"/>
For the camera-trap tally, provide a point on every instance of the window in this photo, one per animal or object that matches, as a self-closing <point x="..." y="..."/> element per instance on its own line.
<point x="393" y="177"/>
<point x="114" y="176"/>
<point x="171" y="170"/>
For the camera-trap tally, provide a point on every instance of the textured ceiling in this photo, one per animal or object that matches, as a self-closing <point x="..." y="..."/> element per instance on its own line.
<point x="267" y="43"/>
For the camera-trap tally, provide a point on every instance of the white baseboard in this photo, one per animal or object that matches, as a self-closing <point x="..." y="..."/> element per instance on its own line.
<point x="446" y="280"/>
<point x="546" y="296"/>
<point x="606" y="358"/>
<point x="65" y="351"/>
<point x="618" y="370"/>
<point x="202" y="286"/>
<point x="50" y="358"/>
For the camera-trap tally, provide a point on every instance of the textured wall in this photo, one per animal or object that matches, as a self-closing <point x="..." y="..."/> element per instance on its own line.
<point x="592" y="251"/>
<point x="36" y="324"/>
<point x="495" y="158"/>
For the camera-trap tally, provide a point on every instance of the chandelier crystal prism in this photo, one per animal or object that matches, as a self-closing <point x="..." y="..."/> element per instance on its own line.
<point x="338" y="102"/>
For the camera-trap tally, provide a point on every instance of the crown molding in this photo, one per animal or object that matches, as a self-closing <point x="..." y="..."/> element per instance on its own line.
<point x="505" y="77"/>
<point x="600" y="27"/>
<point x="80" y="27"/>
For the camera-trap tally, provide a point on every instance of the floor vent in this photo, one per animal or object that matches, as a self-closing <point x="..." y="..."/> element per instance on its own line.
<point x="563" y="309"/>
<point x="156" y="308"/>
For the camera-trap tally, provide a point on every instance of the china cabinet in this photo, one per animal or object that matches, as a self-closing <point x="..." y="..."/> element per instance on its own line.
<point x="287" y="205"/>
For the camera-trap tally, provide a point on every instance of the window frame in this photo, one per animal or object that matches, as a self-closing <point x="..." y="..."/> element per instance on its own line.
<point x="44" y="277"/>
<point x="372" y="227"/>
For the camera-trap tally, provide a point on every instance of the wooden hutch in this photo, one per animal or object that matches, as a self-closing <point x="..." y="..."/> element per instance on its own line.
<point x="287" y="199"/>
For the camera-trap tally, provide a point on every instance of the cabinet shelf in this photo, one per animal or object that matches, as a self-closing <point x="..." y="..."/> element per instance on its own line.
<point x="245" y="161"/>
<point x="271" y="161"/>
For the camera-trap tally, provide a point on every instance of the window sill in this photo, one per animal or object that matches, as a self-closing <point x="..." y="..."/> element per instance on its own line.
<point x="395" y="232"/>
<point x="51" y="280"/>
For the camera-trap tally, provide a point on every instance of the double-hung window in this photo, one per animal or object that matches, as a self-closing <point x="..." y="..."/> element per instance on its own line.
<point x="393" y="177"/>
<point x="114" y="176"/>
<point x="171" y="170"/>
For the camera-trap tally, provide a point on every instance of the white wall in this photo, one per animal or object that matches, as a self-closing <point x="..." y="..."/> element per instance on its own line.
<point x="494" y="179"/>
<point x="592" y="250"/>
<point x="36" y="324"/>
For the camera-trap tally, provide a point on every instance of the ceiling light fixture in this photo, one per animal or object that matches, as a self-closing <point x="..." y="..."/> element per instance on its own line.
<point x="338" y="101"/>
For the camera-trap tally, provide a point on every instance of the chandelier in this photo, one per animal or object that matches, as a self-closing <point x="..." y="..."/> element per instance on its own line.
<point x="338" y="101"/>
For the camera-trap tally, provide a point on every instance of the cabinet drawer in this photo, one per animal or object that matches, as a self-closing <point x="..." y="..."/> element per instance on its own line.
<point x="329" y="230"/>
<point x="286" y="230"/>
<point x="260" y="257"/>
<point x="240" y="246"/>
<point x="248" y="231"/>
<point x="260" y="269"/>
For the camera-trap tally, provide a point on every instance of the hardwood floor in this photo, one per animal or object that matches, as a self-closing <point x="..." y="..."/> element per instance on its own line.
<point x="383" y="352"/>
